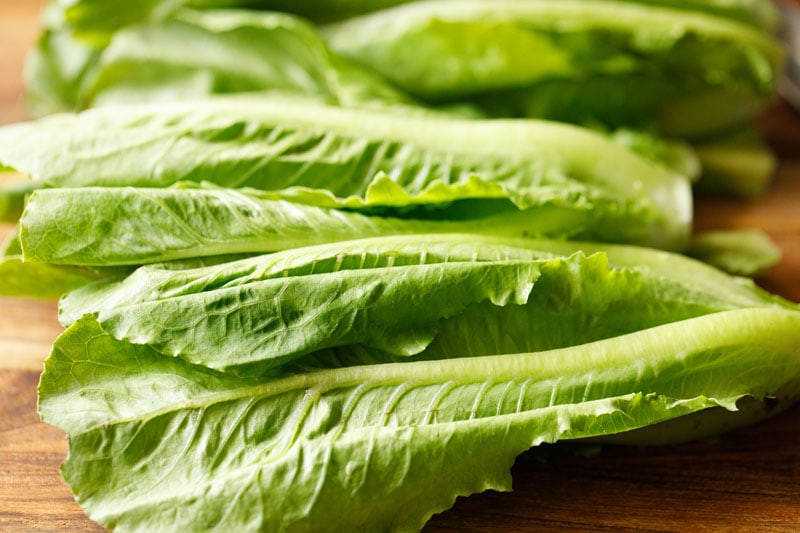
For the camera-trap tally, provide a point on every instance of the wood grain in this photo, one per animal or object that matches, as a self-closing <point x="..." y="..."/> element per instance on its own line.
<point x="749" y="480"/>
<point x="32" y="495"/>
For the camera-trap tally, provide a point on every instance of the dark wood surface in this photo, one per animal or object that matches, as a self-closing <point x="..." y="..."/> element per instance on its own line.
<point x="747" y="480"/>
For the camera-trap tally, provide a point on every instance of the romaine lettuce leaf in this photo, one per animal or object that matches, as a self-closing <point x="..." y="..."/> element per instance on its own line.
<point x="41" y="281"/>
<point x="12" y="198"/>
<point x="157" y="443"/>
<point x="400" y="294"/>
<point x="10" y="244"/>
<point x="631" y="101"/>
<point x="364" y="385"/>
<point x="159" y="60"/>
<point x="194" y="54"/>
<point x="36" y="280"/>
<point x="133" y="226"/>
<point x="739" y="162"/>
<point x="56" y="71"/>
<point x="57" y="66"/>
<point x="666" y="64"/>
<point x="381" y="158"/>
<point x="741" y="252"/>
<point x="96" y="20"/>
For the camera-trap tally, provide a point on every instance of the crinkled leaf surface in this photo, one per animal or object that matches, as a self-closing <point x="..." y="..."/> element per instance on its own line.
<point x="366" y="157"/>
<point x="270" y="144"/>
<point x="400" y="294"/>
<point x="134" y="226"/>
<point x="288" y="304"/>
<point x="155" y="442"/>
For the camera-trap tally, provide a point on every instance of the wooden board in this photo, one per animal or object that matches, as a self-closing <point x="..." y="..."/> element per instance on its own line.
<point x="747" y="481"/>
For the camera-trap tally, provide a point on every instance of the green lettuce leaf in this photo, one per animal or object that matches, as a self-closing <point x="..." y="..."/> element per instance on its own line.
<point x="11" y="244"/>
<point x="741" y="252"/>
<point x="34" y="280"/>
<point x="400" y="294"/>
<point x="57" y="66"/>
<point x="40" y="281"/>
<point x="196" y="54"/>
<point x="97" y="20"/>
<point x="157" y="443"/>
<point x="12" y="198"/>
<point x="381" y="158"/>
<point x="632" y="101"/>
<point x="760" y="13"/>
<point x="134" y="226"/>
<point x="675" y="155"/>
<point x="162" y="52"/>
<point x="739" y="163"/>
<point x="619" y="63"/>
<point x="56" y="71"/>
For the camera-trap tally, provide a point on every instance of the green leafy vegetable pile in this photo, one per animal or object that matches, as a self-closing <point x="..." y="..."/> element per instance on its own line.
<point x="333" y="277"/>
<point x="695" y="69"/>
